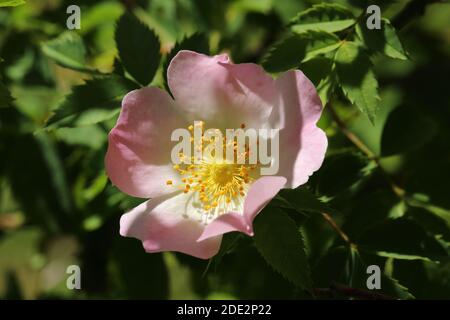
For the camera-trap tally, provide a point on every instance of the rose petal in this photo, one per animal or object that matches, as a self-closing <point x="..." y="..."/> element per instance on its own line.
<point x="303" y="143"/>
<point x="259" y="194"/>
<point x="160" y="225"/>
<point x="138" y="159"/>
<point x="223" y="94"/>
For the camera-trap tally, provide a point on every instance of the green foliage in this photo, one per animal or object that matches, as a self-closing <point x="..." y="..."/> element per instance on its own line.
<point x="357" y="79"/>
<point x="402" y="239"/>
<point x="68" y="50"/>
<point x="5" y="96"/>
<point x="95" y="101"/>
<point x="294" y="49"/>
<point x="323" y="17"/>
<point x="380" y="197"/>
<point x="136" y="274"/>
<point x="384" y="40"/>
<point x="301" y="199"/>
<point x="11" y="3"/>
<point x="280" y="243"/>
<point x="139" y="48"/>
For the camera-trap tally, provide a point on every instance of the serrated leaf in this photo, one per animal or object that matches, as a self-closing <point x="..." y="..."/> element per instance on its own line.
<point x="400" y="132"/>
<point x="281" y="244"/>
<point x="384" y="40"/>
<point x="11" y="3"/>
<point x="354" y="70"/>
<point x="389" y="285"/>
<point x="323" y="17"/>
<point x="394" y="288"/>
<point x="401" y="239"/>
<point x="139" y="48"/>
<point x="68" y="51"/>
<point x="95" y="101"/>
<point x="197" y="42"/>
<point x="294" y="49"/>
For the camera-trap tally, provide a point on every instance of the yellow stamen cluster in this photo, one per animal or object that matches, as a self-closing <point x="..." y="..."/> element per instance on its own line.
<point x="217" y="184"/>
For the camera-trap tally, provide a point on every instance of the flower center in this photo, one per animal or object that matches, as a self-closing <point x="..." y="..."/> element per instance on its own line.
<point x="218" y="185"/>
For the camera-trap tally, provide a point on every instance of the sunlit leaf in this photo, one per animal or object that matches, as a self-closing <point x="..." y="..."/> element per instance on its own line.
<point x="68" y="50"/>
<point x="384" y="40"/>
<point x="11" y="3"/>
<point x="323" y="17"/>
<point x="294" y="49"/>
<point x="95" y="101"/>
<point x="357" y="79"/>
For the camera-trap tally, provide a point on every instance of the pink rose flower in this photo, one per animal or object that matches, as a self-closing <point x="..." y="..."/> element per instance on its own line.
<point x="192" y="219"/>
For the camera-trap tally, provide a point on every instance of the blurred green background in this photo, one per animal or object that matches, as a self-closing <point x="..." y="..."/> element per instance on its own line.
<point x="58" y="208"/>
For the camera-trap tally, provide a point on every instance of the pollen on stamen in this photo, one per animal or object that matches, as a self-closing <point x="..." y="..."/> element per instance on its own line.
<point x="169" y="182"/>
<point x="217" y="185"/>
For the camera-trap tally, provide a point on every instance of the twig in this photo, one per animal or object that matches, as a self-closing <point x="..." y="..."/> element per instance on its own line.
<point x="399" y="192"/>
<point x="339" y="231"/>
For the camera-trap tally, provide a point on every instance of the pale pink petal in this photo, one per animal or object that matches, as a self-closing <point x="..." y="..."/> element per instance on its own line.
<point x="161" y="226"/>
<point x="223" y="94"/>
<point x="138" y="159"/>
<point x="302" y="143"/>
<point x="260" y="193"/>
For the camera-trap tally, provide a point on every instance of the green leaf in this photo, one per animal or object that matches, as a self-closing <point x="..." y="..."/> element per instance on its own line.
<point x="197" y="42"/>
<point x="139" y="48"/>
<point x="68" y="51"/>
<point x="401" y="239"/>
<point x="339" y="173"/>
<point x="400" y="132"/>
<point x="389" y="285"/>
<point x="433" y="223"/>
<point x="281" y="244"/>
<point x="384" y="40"/>
<point x="11" y="3"/>
<point x="394" y="288"/>
<point x="291" y="51"/>
<point x="416" y="201"/>
<point x="354" y="70"/>
<point x="302" y="199"/>
<point x="95" y="101"/>
<point x="90" y="136"/>
<point x="345" y="265"/>
<point x="320" y="71"/>
<point x="317" y="69"/>
<point x="323" y="17"/>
